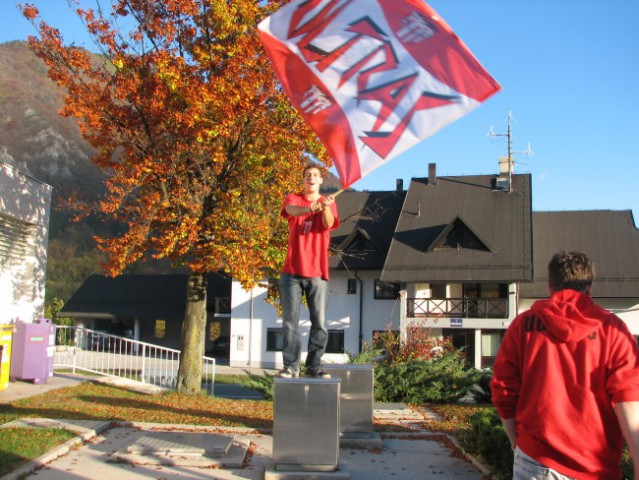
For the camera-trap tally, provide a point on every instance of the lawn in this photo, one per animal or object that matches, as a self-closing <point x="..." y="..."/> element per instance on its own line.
<point x="95" y="401"/>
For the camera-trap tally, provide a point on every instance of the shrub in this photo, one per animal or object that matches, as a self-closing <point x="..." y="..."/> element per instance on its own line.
<point x="417" y="345"/>
<point x="487" y="440"/>
<point x="420" y="369"/>
<point x="481" y="390"/>
<point x="52" y="311"/>
<point x="442" y="379"/>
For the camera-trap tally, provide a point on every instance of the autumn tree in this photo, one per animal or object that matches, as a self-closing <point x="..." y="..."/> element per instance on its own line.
<point x="198" y="142"/>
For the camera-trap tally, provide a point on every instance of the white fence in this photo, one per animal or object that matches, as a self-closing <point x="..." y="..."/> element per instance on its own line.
<point x="79" y="348"/>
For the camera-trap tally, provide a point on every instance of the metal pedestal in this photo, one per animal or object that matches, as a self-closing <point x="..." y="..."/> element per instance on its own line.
<point x="306" y="421"/>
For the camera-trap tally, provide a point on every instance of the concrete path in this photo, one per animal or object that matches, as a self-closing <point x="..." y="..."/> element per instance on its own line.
<point x="95" y="453"/>
<point x="402" y="457"/>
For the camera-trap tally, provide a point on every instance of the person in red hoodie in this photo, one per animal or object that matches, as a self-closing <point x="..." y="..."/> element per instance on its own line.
<point x="566" y="382"/>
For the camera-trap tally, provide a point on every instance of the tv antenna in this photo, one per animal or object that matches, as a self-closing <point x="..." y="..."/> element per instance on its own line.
<point x="507" y="164"/>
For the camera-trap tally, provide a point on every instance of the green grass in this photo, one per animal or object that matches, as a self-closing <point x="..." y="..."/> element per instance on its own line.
<point x="20" y="445"/>
<point x="95" y="401"/>
<point x="243" y="380"/>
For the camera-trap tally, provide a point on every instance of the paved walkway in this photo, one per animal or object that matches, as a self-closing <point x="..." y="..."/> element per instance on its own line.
<point x="104" y="450"/>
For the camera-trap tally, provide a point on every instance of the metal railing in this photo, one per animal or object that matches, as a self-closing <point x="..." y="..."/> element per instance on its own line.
<point x="457" y="307"/>
<point x="79" y="348"/>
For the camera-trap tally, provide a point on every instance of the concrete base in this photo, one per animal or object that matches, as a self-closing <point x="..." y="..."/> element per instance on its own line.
<point x="272" y="473"/>
<point x="188" y="449"/>
<point x="368" y="441"/>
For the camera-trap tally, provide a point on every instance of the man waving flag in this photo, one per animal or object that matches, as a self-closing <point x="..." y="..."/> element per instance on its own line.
<point x="372" y="77"/>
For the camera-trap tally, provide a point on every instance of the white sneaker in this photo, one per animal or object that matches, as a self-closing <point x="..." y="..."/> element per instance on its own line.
<point x="287" y="373"/>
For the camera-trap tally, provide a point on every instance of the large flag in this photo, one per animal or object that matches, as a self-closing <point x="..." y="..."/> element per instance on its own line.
<point x="372" y="77"/>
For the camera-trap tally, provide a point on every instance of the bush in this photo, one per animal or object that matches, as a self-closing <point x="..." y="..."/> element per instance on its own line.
<point x="420" y="369"/>
<point x="487" y="440"/>
<point x="481" y="391"/>
<point x="442" y="379"/>
<point x="52" y="311"/>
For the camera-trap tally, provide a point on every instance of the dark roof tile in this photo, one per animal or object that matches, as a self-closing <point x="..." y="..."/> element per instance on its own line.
<point x="610" y="238"/>
<point x="500" y="221"/>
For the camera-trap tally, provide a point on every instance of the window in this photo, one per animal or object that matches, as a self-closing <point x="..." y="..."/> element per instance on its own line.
<point x="274" y="339"/>
<point x="361" y="243"/>
<point x="458" y="235"/>
<point x="335" y="342"/>
<point x="490" y="342"/>
<point x="386" y="291"/>
<point x="438" y="290"/>
<point x="351" y="289"/>
<point x="160" y="329"/>
<point x="15" y="239"/>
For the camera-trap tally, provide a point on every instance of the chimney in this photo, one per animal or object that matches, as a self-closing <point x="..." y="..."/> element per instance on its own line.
<point x="432" y="173"/>
<point x="504" y="180"/>
<point x="399" y="185"/>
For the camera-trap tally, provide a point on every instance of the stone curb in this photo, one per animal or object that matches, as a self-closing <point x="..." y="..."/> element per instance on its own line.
<point x="63" y="449"/>
<point x="57" y="452"/>
<point x="471" y="458"/>
<point x="188" y="427"/>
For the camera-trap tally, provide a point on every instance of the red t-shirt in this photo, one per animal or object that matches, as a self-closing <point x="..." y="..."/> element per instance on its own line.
<point x="308" y="240"/>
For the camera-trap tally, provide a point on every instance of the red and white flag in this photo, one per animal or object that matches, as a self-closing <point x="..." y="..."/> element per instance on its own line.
<point x="372" y="77"/>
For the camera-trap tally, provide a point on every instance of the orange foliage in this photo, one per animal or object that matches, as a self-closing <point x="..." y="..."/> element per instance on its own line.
<point x="198" y="141"/>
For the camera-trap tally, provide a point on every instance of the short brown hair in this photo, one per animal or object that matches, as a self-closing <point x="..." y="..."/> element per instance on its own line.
<point x="573" y="270"/>
<point x="317" y="166"/>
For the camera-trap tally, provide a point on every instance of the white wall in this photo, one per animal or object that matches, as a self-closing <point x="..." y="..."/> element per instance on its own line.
<point x="625" y="308"/>
<point x="24" y="211"/>
<point x="252" y="316"/>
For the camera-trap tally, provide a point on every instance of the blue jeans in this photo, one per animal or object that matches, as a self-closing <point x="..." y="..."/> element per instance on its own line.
<point x="527" y="468"/>
<point x="316" y="291"/>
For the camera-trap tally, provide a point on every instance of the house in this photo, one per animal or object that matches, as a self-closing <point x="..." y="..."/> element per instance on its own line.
<point x="149" y="308"/>
<point x="358" y="304"/>
<point x="460" y="256"/>
<point x="459" y="247"/>
<point x="611" y="240"/>
<point x="24" y="232"/>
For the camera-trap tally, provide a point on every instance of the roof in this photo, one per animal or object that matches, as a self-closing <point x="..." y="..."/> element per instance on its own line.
<point x="609" y="238"/>
<point x="139" y="296"/>
<point x="367" y="222"/>
<point x="463" y="229"/>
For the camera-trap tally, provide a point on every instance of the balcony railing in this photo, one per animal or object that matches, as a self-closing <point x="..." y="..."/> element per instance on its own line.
<point x="457" y="307"/>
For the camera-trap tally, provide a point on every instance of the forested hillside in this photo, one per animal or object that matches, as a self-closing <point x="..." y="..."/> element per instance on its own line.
<point x="37" y="140"/>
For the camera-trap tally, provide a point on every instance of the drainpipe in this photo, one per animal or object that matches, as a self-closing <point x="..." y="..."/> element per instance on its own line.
<point x="136" y="333"/>
<point x="360" y="284"/>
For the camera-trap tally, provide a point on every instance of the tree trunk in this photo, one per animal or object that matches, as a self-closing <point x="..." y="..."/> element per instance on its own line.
<point x="189" y="379"/>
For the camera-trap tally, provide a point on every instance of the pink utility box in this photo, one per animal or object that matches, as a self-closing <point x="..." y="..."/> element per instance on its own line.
<point x="32" y="351"/>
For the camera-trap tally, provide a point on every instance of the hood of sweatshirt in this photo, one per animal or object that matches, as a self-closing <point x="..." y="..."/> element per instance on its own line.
<point x="569" y="315"/>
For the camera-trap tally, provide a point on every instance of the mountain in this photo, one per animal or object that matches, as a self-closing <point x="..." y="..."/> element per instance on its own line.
<point x="37" y="140"/>
<point x="33" y="136"/>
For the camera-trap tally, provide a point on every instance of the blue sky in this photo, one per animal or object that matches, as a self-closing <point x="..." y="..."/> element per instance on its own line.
<point x="569" y="71"/>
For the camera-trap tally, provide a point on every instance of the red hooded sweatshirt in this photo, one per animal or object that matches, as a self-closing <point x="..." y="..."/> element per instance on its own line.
<point x="561" y="367"/>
